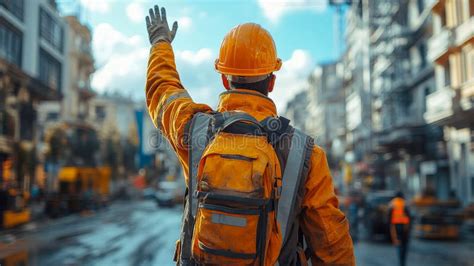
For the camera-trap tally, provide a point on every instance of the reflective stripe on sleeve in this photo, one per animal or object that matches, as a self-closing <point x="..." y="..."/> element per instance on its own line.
<point x="169" y="100"/>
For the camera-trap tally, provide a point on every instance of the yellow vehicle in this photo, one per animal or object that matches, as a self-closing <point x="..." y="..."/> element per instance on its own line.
<point x="80" y="189"/>
<point x="80" y="184"/>
<point x="437" y="219"/>
<point x="13" y="208"/>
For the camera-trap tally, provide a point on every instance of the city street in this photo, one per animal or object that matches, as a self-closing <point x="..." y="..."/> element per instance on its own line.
<point x="139" y="233"/>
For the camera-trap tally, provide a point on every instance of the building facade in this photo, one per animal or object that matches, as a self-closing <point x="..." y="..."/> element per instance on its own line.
<point x="31" y="71"/>
<point x="450" y="104"/>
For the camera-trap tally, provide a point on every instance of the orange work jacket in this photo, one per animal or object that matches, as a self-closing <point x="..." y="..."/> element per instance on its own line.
<point x="325" y="227"/>
<point x="398" y="215"/>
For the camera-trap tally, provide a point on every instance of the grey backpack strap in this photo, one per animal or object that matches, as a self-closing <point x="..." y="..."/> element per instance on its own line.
<point x="291" y="180"/>
<point x="197" y="142"/>
<point x="225" y="119"/>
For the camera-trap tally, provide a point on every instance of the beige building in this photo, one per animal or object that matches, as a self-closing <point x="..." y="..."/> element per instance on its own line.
<point x="78" y="69"/>
<point x="452" y="103"/>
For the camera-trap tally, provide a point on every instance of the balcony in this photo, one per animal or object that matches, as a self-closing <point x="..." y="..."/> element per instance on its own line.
<point x="465" y="31"/>
<point x="439" y="44"/>
<point x="439" y="105"/>
<point x="6" y="144"/>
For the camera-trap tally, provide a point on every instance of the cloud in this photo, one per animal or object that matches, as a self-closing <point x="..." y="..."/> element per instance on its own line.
<point x="184" y="23"/>
<point x="292" y="77"/>
<point x="196" y="69"/>
<point x="96" y="6"/>
<point x="122" y="62"/>
<point x="275" y="9"/>
<point x="135" y="12"/>
<point x="203" y="55"/>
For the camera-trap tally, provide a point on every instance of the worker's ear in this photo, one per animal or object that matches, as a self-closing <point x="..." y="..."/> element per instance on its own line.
<point x="225" y="82"/>
<point x="271" y="83"/>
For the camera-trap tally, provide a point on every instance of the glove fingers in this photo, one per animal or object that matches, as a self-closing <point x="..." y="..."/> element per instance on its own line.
<point x="148" y="22"/>
<point x="152" y="15"/>
<point x="157" y="14"/>
<point x="173" y="31"/>
<point x="163" y="15"/>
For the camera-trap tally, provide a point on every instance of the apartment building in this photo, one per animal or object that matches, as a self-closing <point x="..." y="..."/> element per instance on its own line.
<point x="408" y="154"/>
<point x="296" y="109"/>
<point x="32" y="59"/>
<point x="356" y="84"/>
<point x="78" y="68"/>
<point x="327" y="109"/>
<point x="451" y="103"/>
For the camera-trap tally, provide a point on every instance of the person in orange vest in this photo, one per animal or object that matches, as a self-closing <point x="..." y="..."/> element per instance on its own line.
<point x="259" y="192"/>
<point x="400" y="220"/>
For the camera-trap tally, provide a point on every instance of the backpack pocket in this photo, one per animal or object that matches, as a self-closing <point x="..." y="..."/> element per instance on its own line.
<point x="226" y="235"/>
<point x="234" y="194"/>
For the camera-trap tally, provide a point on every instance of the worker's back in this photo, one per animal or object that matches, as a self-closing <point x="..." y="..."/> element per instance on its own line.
<point x="258" y="191"/>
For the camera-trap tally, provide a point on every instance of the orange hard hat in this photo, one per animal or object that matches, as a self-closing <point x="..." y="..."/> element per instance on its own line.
<point x="247" y="50"/>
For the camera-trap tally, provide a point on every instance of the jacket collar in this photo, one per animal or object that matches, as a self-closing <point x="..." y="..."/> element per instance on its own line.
<point x="254" y="103"/>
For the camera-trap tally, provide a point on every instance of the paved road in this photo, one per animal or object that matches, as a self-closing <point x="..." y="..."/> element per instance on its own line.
<point x="421" y="253"/>
<point x="139" y="233"/>
<point x="126" y="234"/>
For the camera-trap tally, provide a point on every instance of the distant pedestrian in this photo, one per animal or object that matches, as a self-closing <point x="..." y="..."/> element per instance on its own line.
<point x="400" y="220"/>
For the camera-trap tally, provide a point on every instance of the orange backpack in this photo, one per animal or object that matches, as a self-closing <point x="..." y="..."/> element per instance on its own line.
<point x="237" y="210"/>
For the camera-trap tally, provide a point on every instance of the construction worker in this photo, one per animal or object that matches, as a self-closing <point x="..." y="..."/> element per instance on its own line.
<point x="240" y="181"/>
<point x="399" y="217"/>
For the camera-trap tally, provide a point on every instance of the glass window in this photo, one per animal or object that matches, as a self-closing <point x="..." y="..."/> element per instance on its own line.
<point x="421" y="5"/>
<point x="422" y="50"/>
<point x="49" y="70"/>
<point x="447" y="74"/>
<point x="10" y="44"/>
<point x="50" y="30"/>
<point x="100" y="112"/>
<point x="16" y="7"/>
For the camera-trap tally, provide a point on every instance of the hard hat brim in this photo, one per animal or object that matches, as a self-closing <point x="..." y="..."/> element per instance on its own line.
<point x="247" y="72"/>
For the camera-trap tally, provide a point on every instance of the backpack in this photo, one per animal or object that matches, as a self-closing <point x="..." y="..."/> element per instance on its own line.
<point x="239" y="200"/>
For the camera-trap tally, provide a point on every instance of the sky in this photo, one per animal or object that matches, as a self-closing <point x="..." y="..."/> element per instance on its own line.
<point x="302" y="29"/>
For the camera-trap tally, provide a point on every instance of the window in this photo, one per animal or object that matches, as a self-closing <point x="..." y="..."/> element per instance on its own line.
<point x="16" y="7"/>
<point x="421" y="6"/>
<point x="447" y="74"/>
<point x="10" y="44"/>
<point x="422" y="51"/>
<point x="52" y="116"/>
<point x="100" y="112"/>
<point x="49" y="70"/>
<point x="50" y="30"/>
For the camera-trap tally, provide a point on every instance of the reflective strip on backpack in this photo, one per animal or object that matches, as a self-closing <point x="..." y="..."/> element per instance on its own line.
<point x="199" y="139"/>
<point x="219" y="218"/>
<point x="291" y="181"/>
<point x="170" y="99"/>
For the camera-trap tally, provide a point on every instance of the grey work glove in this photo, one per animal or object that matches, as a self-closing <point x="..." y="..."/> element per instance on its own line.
<point x="157" y="26"/>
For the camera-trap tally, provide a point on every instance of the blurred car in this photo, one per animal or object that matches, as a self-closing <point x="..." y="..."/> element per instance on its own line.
<point x="168" y="194"/>
<point x="376" y="213"/>
<point x="148" y="193"/>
